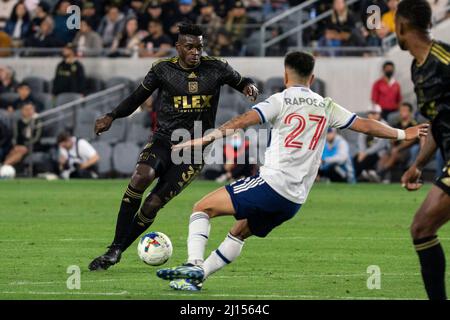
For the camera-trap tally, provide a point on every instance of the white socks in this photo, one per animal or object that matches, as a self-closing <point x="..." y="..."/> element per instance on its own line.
<point x="227" y="252"/>
<point x="199" y="228"/>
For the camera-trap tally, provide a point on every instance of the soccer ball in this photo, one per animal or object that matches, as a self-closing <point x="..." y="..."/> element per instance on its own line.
<point x="7" y="172"/>
<point x="155" y="248"/>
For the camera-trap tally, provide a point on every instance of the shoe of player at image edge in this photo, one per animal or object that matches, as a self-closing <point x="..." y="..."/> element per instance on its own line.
<point x="187" y="271"/>
<point x="186" y="285"/>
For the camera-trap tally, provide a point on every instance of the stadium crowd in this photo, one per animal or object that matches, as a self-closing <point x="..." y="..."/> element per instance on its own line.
<point x="148" y="28"/>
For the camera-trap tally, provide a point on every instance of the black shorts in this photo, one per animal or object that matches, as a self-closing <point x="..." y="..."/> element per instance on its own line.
<point x="172" y="178"/>
<point x="441" y="134"/>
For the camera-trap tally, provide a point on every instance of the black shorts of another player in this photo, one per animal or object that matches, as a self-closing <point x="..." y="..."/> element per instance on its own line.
<point x="441" y="133"/>
<point x="172" y="178"/>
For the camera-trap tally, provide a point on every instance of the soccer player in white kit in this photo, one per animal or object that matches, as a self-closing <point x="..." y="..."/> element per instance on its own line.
<point x="300" y="119"/>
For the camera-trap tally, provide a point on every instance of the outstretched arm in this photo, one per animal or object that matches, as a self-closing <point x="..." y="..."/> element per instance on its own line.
<point x="381" y="130"/>
<point x="124" y="109"/>
<point x="411" y="178"/>
<point x="228" y="128"/>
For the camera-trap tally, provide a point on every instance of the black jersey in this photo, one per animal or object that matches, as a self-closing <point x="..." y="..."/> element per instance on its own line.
<point x="432" y="81"/>
<point x="189" y="95"/>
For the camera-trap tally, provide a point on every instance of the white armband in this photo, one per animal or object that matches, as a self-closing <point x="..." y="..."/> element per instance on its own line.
<point x="401" y="134"/>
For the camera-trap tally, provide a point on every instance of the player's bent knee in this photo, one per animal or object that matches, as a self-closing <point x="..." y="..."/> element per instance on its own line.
<point x="142" y="178"/>
<point x="422" y="228"/>
<point x="202" y="206"/>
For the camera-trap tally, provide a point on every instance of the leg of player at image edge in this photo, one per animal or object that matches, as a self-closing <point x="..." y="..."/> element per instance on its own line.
<point x="191" y="275"/>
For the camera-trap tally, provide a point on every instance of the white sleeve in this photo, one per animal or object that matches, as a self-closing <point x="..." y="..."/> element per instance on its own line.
<point x="269" y="109"/>
<point x="85" y="149"/>
<point x="340" y="117"/>
<point x="63" y="153"/>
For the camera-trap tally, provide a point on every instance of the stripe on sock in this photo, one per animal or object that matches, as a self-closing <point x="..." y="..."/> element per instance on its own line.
<point x="144" y="219"/>
<point x="230" y="236"/>
<point x="427" y="245"/>
<point x="197" y="216"/>
<point x="132" y="194"/>
<point x="221" y="256"/>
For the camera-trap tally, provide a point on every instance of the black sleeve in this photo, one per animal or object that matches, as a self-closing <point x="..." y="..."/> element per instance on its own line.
<point x="232" y="78"/>
<point x="132" y="102"/>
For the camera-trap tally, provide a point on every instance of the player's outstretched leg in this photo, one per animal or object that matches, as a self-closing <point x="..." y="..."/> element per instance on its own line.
<point x="214" y="204"/>
<point x="131" y="201"/>
<point x="190" y="278"/>
<point x="433" y="213"/>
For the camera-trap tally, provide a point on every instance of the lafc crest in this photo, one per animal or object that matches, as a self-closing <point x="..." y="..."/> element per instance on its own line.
<point x="193" y="86"/>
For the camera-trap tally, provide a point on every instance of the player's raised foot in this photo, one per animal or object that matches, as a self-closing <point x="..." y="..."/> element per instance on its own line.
<point x="110" y="258"/>
<point x="187" y="271"/>
<point x="186" y="285"/>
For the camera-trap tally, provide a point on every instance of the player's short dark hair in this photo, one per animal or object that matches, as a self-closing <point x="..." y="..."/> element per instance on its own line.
<point x="301" y="62"/>
<point x="388" y="63"/>
<point x="63" y="136"/>
<point x="189" y="29"/>
<point x="418" y="13"/>
<point x="407" y="104"/>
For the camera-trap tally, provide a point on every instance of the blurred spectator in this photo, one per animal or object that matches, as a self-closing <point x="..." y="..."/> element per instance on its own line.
<point x="341" y="28"/>
<point x="128" y="41"/>
<point x="25" y="96"/>
<point x="386" y="91"/>
<point x="44" y="38"/>
<point x="89" y="12"/>
<point x="77" y="157"/>
<point x="402" y="152"/>
<point x="18" y="24"/>
<point x="222" y="7"/>
<point x="5" y="44"/>
<point x="388" y="19"/>
<point x="370" y="151"/>
<point x="210" y="22"/>
<point x="6" y="8"/>
<point x="135" y="8"/>
<point x="111" y="26"/>
<point x="69" y="75"/>
<point x="5" y="140"/>
<point x="274" y="6"/>
<point x="223" y="46"/>
<point x="41" y="12"/>
<point x="336" y="162"/>
<point x="439" y="8"/>
<point x="87" y="42"/>
<point x="156" y="44"/>
<point x="26" y="134"/>
<point x="152" y="12"/>
<point x="60" y="16"/>
<point x="8" y="81"/>
<point x="236" y="22"/>
<point x="184" y="13"/>
<point x="237" y="159"/>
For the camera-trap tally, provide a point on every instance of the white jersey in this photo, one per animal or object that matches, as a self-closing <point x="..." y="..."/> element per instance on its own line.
<point x="300" y="119"/>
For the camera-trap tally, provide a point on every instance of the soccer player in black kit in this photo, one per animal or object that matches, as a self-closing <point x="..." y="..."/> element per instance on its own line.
<point x="188" y="88"/>
<point x="431" y="76"/>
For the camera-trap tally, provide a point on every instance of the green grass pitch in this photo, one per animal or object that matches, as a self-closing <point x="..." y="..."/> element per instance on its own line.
<point x="323" y="253"/>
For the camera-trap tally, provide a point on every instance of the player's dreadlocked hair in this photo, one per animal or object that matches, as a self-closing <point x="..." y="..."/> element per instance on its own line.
<point x="417" y="12"/>
<point x="186" y="28"/>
